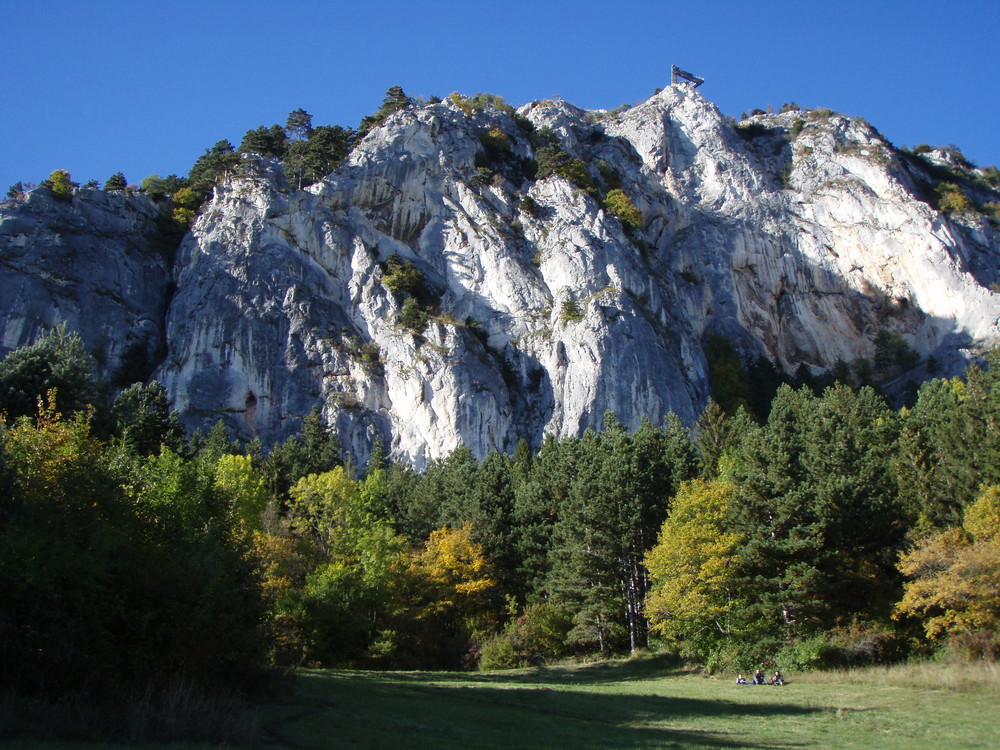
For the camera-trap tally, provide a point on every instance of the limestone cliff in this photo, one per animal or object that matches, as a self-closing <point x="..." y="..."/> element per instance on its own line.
<point x="799" y="236"/>
<point x="96" y="263"/>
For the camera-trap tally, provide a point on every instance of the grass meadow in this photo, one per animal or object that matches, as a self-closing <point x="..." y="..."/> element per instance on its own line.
<point x="637" y="703"/>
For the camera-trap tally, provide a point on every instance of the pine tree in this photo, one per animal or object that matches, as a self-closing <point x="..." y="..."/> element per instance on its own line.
<point x="115" y="182"/>
<point x="585" y="570"/>
<point x="537" y="503"/>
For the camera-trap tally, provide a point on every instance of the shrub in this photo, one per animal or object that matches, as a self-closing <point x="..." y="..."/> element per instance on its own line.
<point x="60" y="184"/>
<point x="413" y="316"/>
<point x="399" y="276"/>
<point x="553" y="160"/>
<point x="472" y="104"/>
<point x="570" y="311"/>
<point x="821" y="114"/>
<point x="865" y="645"/>
<point x="370" y="356"/>
<point x="990" y="176"/>
<point x="951" y="199"/>
<point x="498" y="653"/>
<point x="538" y="634"/>
<point x="530" y="206"/>
<point x="815" y="652"/>
<point x="494" y="138"/>
<point x="482" y="177"/>
<point x="611" y="179"/>
<point x="752" y="130"/>
<point x="797" y="125"/>
<point x="619" y="204"/>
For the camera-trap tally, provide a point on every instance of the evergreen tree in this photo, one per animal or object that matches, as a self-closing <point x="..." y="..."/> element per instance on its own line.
<point x="57" y="361"/>
<point x="116" y="182"/>
<point x="265" y="141"/>
<point x="950" y="444"/>
<point x="537" y="503"/>
<point x="212" y="168"/>
<point x="395" y="100"/>
<point x="314" y="450"/>
<point x="491" y="500"/>
<point x="308" y="161"/>
<point x="298" y="125"/>
<point x="727" y="375"/>
<point x="142" y="418"/>
<point x="61" y="184"/>
<point x="585" y="575"/>
<point x="816" y="505"/>
<point x="712" y="432"/>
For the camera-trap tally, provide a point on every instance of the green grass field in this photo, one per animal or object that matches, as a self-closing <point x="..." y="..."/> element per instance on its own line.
<point x="642" y="703"/>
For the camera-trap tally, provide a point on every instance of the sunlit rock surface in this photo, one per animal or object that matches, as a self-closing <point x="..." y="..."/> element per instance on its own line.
<point x="800" y="244"/>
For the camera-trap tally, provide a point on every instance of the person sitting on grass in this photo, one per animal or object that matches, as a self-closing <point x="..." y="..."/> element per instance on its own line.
<point x="778" y="679"/>
<point x="740" y="680"/>
<point x="758" y="678"/>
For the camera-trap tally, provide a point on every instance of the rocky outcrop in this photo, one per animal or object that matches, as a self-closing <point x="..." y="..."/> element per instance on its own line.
<point x="800" y="236"/>
<point x="95" y="262"/>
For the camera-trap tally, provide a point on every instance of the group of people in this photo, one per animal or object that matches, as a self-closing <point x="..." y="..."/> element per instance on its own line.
<point x="760" y="679"/>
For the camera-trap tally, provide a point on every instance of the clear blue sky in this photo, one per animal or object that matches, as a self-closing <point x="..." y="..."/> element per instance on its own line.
<point x="96" y="86"/>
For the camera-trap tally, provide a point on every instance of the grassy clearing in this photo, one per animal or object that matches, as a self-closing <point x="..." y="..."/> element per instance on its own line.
<point x="644" y="703"/>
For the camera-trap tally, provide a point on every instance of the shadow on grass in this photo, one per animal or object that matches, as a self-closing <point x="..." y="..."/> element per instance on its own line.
<point x="420" y="710"/>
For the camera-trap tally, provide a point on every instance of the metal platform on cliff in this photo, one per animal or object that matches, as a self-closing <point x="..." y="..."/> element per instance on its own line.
<point x="682" y="76"/>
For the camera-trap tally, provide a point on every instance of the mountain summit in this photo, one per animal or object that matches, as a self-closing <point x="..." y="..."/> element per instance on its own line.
<point x="471" y="275"/>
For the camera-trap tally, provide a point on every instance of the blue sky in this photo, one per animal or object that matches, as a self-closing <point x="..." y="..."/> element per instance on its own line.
<point x="97" y="86"/>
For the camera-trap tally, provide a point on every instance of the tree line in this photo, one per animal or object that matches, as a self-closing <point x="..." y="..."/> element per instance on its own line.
<point x="832" y="530"/>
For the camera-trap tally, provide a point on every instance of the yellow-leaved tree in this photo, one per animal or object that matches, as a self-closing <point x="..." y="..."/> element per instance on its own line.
<point x="955" y="580"/>
<point x="454" y="570"/>
<point x="244" y="491"/>
<point x="445" y="593"/>
<point x="690" y="568"/>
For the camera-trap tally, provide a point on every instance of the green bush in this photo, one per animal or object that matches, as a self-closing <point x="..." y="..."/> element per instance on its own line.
<point x="537" y="635"/>
<point x="399" y="276"/>
<point x="495" y="138"/>
<point x="992" y="209"/>
<point x="611" y="179"/>
<point x="951" y="199"/>
<point x="553" y="160"/>
<point x="472" y="104"/>
<point x="821" y="114"/>
<point x="498" y="653"/>
<point x="619" y="204"/>
<point x="867" y="644"/>
<point x="815" y="652"/>
<point x="570" y="311"/>
<point x="60" y="184"/>
<point x="413" y="316"/>
<point x="530" y="206"/>
<point x="370" y="356"/>
<point x="752" y="130"/>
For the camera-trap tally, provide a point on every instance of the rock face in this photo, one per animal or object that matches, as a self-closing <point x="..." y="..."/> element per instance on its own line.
<point x="93" y="263"/>
<point x="798" y="236"/>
